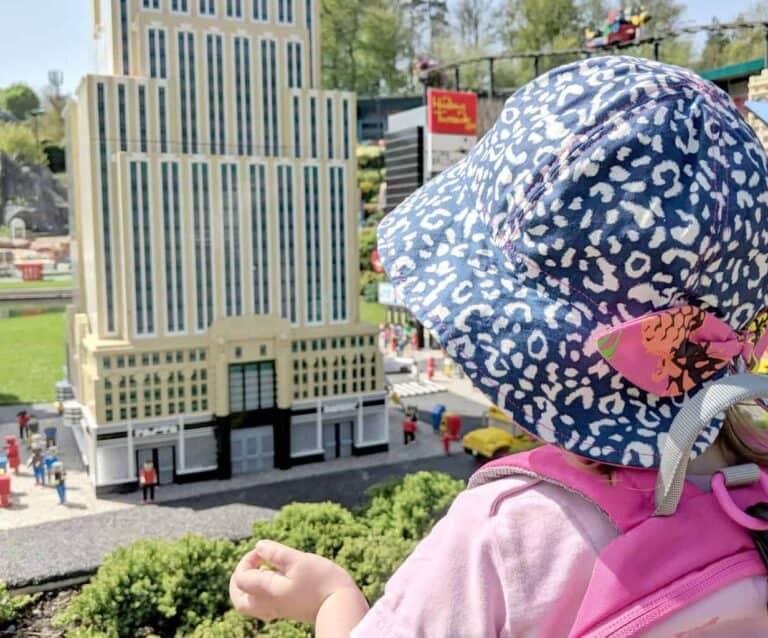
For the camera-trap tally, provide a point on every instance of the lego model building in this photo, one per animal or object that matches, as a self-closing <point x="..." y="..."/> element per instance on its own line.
<point x="215" y="329"/>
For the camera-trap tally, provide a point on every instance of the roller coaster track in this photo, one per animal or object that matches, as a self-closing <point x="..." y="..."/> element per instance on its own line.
<point x="655" y="40"/>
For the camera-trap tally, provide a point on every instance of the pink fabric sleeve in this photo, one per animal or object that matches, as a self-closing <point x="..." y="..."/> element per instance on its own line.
<point x="508" y="559"/>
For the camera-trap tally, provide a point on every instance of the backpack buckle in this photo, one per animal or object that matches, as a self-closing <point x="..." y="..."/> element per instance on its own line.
<point x="760" y="511"/>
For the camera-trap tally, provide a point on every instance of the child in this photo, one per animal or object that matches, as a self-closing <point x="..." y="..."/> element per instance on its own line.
<point x="597" y="265"/>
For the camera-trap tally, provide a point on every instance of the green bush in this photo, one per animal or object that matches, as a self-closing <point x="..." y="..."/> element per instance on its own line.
<point x="369" y="284"/>
<point x="366" y="245"/>
<point x="12" y="607"/>
<point x="408" y="508"/>
<point x="180" y="588"/>
<point x="19" y="100"/>
<point x="370" y="157"/>
<point x="168" y="587"/>
<point x="321" y="528"/>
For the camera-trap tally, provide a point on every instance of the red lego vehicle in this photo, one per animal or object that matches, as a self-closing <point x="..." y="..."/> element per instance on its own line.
<point x="620" y="27"/>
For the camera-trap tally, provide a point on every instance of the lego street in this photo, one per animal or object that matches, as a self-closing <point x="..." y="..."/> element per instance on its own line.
<point x="216" y="508"/>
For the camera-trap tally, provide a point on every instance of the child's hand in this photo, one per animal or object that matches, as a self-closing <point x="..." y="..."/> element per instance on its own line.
<point x="299" y="585"/>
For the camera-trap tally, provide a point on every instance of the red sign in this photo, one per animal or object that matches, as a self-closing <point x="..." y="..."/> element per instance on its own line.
<point x="452" y="112"/>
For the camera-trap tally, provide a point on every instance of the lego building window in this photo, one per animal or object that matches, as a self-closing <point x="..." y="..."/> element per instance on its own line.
<point x="295" y="379"/>
<point x="371" y="340"/>
<point x="194" y="405"/>
<point x="156" y="378"/>
<point x="316" y="392"/>
<point x="303" y="346"/>
<point x="155" y="358"/>
<point x="202" y="355"/>
<point x="169" y="357"/>
<point x="294" y="346"/>
<point x="158" y="409"/>
<point x="314" y="344"/>
<point x="134" y="412"/>
<point x="181" y="391"/>
<point x="263" y="351"/>
<point x="122" y="397"/>
<point x="295" y="364"/>
<point x="373" y="385"/>
<point x="343" y="388"/>
<point x="132" y="397"/>
<point x="180" y="6"/>
<point x="238" y="352"/>
<point x="171" y="408"/>
<point x="122" y="383"/>
<point x="132" y="381"/>
<point x="362" y="386"/>
<point x="193" y="377"/>
<point x="193" y="390"/>
<point x="373" y="371"/>
<point x="145" y="359"/>
<point x="108" y="415"/>
<point x="193" y="355"/>
<point x="208" y="7"/>
<point x="147" y="395"/>
<point x="181" y="406"/>
<point x="354" y="386"/>
<point x="108" y="399"/>
<point x="304" y="378"/>
<point x="343" y="343"/>
<point x="204" y="404"/>
<point x="147" y="410"/>
<point x="333" y="343"/>
<point x="123" y="414"/>
<point x="171" y="377"/>
<point x="179" y="357"/>
<point x="121" y="362"/>
<point x="203" y="375"/>
<point x="204" y="389"/>
<point x="304" y="395"/>
<point x="325" y="391"/>
<point x="335" y="388"/>
<point x="171" y="393"/>
<point x="106" y="363"/>
<point x="158" y="395"/>
<point x="107" y="384"/>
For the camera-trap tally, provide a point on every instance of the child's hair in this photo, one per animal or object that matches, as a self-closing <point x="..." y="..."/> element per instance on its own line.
<point x="744" y="435"/>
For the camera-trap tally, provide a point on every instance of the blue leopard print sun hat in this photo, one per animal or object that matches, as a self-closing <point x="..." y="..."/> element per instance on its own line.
<point x="609" y="189"/>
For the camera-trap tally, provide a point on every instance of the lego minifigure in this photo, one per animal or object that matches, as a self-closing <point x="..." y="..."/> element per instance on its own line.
<point x="450" y="427"/>
<point x="13" y="453"/>
<point x="50" y="437"/>
<point x="37" y="463"/>
<point x="50" y="458"/>
<point x="409" y="430"/>
<point x="59" y="480"/>
<point x="430" y="368"/>
<point x="23" y="420"/>
<point x="5" y="490"/>
<point x="148" y="480"/>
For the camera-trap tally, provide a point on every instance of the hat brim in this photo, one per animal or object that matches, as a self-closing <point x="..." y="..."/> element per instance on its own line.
<point x="524" y="338"/>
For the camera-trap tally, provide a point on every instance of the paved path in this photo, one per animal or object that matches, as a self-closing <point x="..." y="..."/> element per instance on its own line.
<point x="51" y="551"/>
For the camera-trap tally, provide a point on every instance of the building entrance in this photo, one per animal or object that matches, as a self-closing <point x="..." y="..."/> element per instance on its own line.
<point x="337" y="438"/>
<point x="164" y="460"/>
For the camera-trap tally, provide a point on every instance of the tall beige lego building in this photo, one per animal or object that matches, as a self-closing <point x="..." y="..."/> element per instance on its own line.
<point x="216" y="327"/>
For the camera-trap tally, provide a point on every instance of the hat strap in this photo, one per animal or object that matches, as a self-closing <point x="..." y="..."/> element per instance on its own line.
<point x="695" y="415"/>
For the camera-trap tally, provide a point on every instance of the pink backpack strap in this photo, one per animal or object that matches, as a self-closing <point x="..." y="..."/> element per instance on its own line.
<point x="696" y="552"/>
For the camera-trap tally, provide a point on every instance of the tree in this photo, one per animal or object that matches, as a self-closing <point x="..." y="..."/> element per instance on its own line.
<point x="19" y="100"/>
<point x="473" y="19"/>
<point x="429" y="18"/>
<point x="362" y="45"/>
<point x="18" y="142"/>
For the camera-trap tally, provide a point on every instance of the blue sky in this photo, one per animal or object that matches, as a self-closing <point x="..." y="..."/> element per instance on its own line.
<point x="39" y="35"/>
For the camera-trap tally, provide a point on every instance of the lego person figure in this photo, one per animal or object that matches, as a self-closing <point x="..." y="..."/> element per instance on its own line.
<point x="37" y="462"/>
<point x="13" y="453"/>
<point x="59" y="480"/>
<point x="50" y="458"/>
<point x="148" y="480"/>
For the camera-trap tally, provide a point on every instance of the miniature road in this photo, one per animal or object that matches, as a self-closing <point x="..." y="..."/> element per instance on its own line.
<point x="52" y="551"/>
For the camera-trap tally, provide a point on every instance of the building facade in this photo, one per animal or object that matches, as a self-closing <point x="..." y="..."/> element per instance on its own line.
<point x="215" y="327"/>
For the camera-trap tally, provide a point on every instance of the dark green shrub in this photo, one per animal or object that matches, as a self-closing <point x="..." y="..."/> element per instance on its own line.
<point x="230" y="625"/>
<point x="321" y="528"/>
<point x="372" y="559"/>
<point x="162" y="586"/>
<point x="57" y="158"/>
<point x="369" y="284"/>
<point x="408" y="508"/>
<point x="12" y="607"/>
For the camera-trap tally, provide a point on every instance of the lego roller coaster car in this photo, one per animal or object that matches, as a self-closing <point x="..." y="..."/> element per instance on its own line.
<point x="620" y="26"/>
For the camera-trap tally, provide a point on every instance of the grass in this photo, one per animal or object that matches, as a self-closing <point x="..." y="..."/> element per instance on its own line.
<point x="31" y="357"/>
<point x="64" y="282"/>
<point x="372" y="312"/>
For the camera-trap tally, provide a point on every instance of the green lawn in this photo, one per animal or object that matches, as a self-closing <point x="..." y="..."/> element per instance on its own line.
<point x="372" y="312"/>
<point x="31" y="357"/>
<point x="64" y="282"/>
